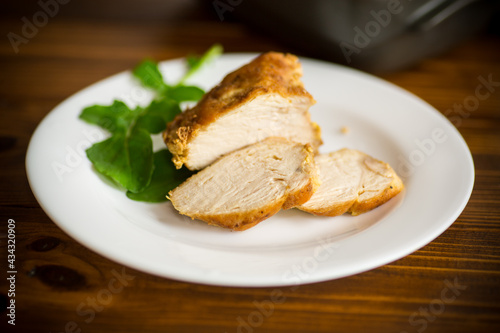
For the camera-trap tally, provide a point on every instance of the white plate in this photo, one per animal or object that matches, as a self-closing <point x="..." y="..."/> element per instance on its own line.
<point x="292" y="247"/>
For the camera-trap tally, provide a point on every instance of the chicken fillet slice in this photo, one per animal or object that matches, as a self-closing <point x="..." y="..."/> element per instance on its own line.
<point x="352" y="182"/>
<point x="249" y="185"/>
<point x="262" y="99"/>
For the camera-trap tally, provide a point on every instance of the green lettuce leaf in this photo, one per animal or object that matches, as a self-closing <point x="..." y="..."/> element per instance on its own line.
<point x="165" y="178"/>
<point x="127" y="158"/>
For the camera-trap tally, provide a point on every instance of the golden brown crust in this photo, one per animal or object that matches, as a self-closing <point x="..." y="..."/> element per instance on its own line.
<point x="300" y="196"/>
<point x="270" y="72"/>
<point x="241" y="221"/>
<point x="331" y="211"/>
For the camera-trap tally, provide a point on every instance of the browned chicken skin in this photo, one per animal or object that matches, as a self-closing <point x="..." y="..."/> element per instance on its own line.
<point x="261" y="99"/>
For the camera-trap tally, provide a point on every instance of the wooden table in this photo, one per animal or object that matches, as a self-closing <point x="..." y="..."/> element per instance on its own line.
<point x="450" y="285"/>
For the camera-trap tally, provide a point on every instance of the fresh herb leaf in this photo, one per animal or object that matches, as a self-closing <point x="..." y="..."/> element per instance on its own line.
<point x="156" y="116"/>
<point x="195" y="63"/>
<point x="150" y="76"/>
<point x="185" y="93"/>
<point x="125" y="157"/>
<point x="113" y="118"/>
<point x="151" y="123"/>
<point x="165" y="178"/>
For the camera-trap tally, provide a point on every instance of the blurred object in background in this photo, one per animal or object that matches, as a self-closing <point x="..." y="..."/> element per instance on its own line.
<point x="373" y="35"/>
<point x="108" y="10"/>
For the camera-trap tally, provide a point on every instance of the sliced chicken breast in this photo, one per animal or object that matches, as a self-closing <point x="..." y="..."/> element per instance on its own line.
<point x="261" y="99"/>
<point x="352" y="182"/>
<point x="249" y="185"/>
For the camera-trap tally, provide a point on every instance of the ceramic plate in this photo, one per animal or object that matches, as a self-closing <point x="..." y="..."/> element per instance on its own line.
<point x="291" y="247"/>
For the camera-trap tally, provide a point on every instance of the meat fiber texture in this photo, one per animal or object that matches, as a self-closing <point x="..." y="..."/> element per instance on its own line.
<point x="353" y="182"/>
<point x="262" y="99"/>
<point x="249" y="185"/>
<point x="253" y="138"/>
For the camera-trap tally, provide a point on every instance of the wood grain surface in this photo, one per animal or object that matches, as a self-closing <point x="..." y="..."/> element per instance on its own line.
<point x="450" y="285"/>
